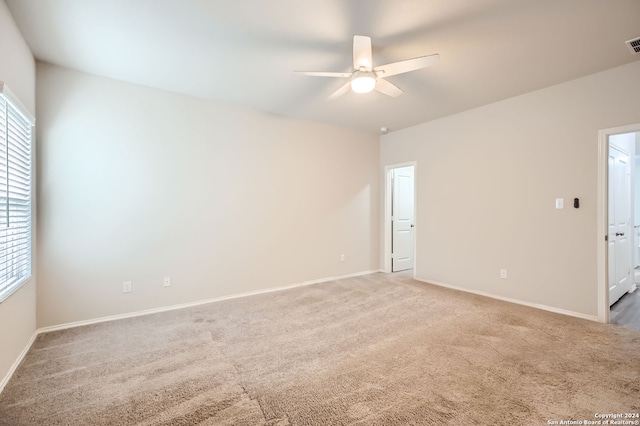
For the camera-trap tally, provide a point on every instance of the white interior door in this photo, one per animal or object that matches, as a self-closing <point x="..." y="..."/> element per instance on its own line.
<point x="619" y="238"/>
<point x="636" y="209"/>
<point x="402" y="224"/>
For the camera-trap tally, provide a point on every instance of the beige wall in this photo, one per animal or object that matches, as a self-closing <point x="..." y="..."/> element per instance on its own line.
<point x="137" y="183"/>
<point x="18" y="311"/>
<point x="487" y="180"/>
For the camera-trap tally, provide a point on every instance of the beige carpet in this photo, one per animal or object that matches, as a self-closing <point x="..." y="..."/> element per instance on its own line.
<point x="375" y="350"/>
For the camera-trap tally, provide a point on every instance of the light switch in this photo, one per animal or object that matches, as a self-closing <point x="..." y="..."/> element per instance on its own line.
<point x="559" y="203"/>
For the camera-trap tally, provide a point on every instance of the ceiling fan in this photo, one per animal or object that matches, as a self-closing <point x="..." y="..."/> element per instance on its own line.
<point x="365" y="77"/>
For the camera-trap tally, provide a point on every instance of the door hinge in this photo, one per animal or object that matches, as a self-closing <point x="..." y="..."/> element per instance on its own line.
<point x="606" y="238"/>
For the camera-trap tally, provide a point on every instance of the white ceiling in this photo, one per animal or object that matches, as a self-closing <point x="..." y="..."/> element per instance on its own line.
<point x="243" y="52"/>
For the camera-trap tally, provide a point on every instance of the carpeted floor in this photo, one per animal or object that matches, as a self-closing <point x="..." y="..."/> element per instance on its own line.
<point x="374" y="350"/>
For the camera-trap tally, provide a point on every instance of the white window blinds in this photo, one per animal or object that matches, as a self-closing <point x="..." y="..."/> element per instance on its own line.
<point x="16" y="129"/>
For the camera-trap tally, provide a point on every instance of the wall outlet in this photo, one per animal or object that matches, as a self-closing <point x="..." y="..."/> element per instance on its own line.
<point x="167" y="281"/>
<point x="342" y="258"/>
<point x="126" y="287"/>
<point x="503" y="274"/>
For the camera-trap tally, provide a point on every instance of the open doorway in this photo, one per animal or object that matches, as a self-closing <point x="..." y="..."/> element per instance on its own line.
<point x="619" y="223"/>
<point x="399" y="224"/>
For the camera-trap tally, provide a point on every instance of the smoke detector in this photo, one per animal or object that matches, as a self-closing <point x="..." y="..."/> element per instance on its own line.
<point x="634" y="45"/>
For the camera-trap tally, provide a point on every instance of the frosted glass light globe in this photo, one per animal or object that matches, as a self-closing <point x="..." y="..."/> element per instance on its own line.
<point x="363" y="84"/>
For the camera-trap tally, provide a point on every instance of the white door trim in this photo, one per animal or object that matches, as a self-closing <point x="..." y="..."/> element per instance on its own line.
<point x="387" y="214"/>
<point x="601" y="215"/>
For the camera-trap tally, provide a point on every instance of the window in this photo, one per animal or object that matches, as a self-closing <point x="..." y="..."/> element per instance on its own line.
<point x="16" y="130"/>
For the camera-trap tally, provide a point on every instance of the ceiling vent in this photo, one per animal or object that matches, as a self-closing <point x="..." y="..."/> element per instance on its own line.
<point x="634" y="45"/>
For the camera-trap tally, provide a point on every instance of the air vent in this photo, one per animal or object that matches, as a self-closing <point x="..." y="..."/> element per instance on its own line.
<point x="634" y="45"/>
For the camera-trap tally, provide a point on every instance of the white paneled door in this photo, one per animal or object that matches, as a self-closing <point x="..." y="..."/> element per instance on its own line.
<point x="619" y="238"/>
<point x="402" y="219"/>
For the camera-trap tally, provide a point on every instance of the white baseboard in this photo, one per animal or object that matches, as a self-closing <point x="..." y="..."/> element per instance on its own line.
<point x="17" y="362"/>
<point x="197" y="302"/>
<point x="510" y="300"/>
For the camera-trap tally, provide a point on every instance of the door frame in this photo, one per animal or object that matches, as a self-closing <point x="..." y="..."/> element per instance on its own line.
<point x="387" y="247"/>
<point x="602" y="213"/>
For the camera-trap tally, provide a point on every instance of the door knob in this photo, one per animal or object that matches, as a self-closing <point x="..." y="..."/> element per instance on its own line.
<point x="412" y="225"/>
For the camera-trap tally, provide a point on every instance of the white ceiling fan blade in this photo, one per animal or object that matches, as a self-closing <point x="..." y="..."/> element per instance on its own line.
<point x="383" y="86"/>
<point x="341" y="91"/>
<point x="324" y="74"/>
<point x="362" y="53"/>
<point x="406" y="66"/>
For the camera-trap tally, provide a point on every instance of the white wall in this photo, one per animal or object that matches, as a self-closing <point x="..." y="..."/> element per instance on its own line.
<point x="486" y="183"/>
<point x="137" y="183"/>
<point x="18" y="312"/>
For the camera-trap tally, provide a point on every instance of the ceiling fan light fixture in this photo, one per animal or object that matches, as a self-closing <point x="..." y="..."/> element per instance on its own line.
<point x="363" y="84"/>
<point x="364" y="78"/>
